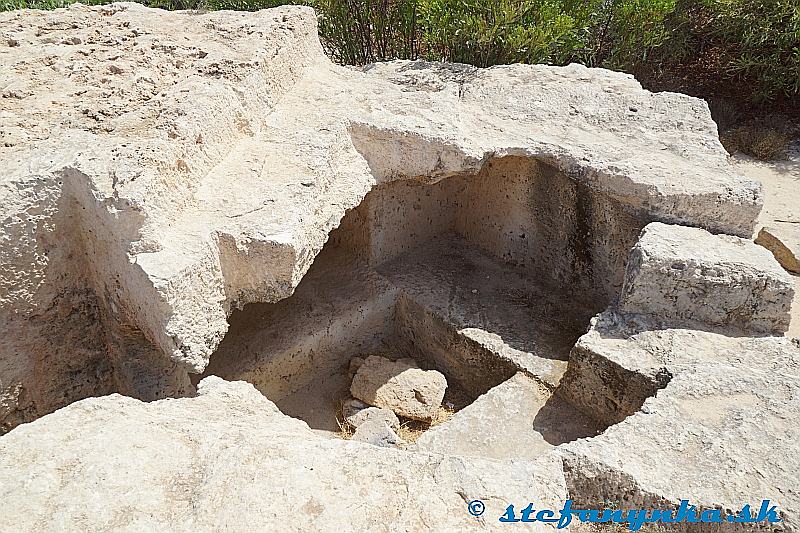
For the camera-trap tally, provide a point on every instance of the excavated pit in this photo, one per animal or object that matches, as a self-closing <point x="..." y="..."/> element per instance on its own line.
<point x="489" y="278"/>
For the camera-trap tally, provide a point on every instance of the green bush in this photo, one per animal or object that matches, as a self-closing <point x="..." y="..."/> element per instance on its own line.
<point x="624" y="34"/>
<point x="10" y="5"/>
<point x="757" y="41"/>
<point x="239" y="5"/>
<point x="357" y="32"/>
<point x="491" y="32"/>
<point x="752" y="43"/>
<point x="595" y="32"/>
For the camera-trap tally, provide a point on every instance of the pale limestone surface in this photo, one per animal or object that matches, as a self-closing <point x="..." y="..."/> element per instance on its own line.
<point x="400" y="386"/>
<point x="518" y="419"/>
<point x="377" y="432"/>
<point x="116" y="113"/>
<point x="210" y="169"/>
<point x="229" y="460"/>
<point x="778" y="226"/>
<point x="721" y="431"/>
<point x="161" y="169"/>
<point x="698" y="412"/>
<point x="357" y="417"/>
<point x="688" y="276"/>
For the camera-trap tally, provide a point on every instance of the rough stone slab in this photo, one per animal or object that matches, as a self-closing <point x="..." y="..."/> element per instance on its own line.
<point x="699" y="415"/>
<point x="687" y="275"/>
<point x="224" y="460"/>
<point x="783" y="240"/>
<point x="357" y="417"/>
<point x="720" y="435"/>
<point x="623" y="360"/>
<point x="480" y="320"/>
<point x="340" y="319"/>
<point x="518" y="419"/>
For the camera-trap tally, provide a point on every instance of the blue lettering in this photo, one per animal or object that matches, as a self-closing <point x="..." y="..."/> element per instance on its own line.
<point x="745" y="515"/>
<point x="639" y="518"/>
<point x="566" y="515"/>
<point x="687" y="513"/>
<point x="526" y="514"/>
<point x="509" y="515"/>
<point x="711" y="516"/>
<point x="617" y="517"/>
<point x="669" y="517"/>
<point x="546" y="515"/>
<point x="592" y="515"/>
<point x="770" y="514"/>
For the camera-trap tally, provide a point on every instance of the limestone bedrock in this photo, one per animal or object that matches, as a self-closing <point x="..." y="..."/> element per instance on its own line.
<point x="688" y="276"/>
<point x="206" y="171"/>
<point x="159" y="169"/>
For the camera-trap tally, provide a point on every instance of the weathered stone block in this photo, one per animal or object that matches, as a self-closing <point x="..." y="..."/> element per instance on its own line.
<point x="400" y="386"/>
<point x="356" y="415"/>
<point x="682" y="275"/>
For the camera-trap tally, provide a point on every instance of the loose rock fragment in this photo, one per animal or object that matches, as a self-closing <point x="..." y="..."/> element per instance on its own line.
<point x="373" y="413"/>
<point x="783" y="240"/>
<point x="351" y="406"/>
<point x="377" y="433"/>
<point x="400" y="386"/>
<point x="355" y="364"/>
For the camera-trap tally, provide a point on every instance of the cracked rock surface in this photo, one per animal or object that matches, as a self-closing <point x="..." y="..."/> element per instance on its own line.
<point x="159" y="170"/>
<point x="210" y="168"/>
<point x="244" y="467"/>
<point x="400" y="386"/>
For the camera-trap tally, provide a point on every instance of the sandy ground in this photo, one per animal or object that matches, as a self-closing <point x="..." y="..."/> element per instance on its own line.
<point x="781" y="180"/>
<point x="318" y="402"/>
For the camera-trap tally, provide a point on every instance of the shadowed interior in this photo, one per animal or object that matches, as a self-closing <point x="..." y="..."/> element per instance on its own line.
<point x="479" y="276"/>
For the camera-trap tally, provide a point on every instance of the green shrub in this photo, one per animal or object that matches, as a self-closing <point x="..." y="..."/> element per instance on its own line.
<point x="10" y="5"/>
<point x="624" y="34"/>
<point x="237" y="5"/>
<point x="615" y="33"/>
<point x="357" y="32"/>
<point x="754" y="44"/>
<point x="758" y="41"/>
<point x="490" y="32"/>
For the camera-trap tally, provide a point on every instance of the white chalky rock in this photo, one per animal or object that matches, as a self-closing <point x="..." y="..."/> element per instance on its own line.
<point x="228" y="460"/>
<point x="400" y="386"/>
<point x="387" y="416"/>
<point x="161" y="169"/>
<point x="378" y="433"/>
<point x="687" y="275"/>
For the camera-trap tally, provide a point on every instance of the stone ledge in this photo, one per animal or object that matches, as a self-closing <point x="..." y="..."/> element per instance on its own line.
<point x="684" y="276"/>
